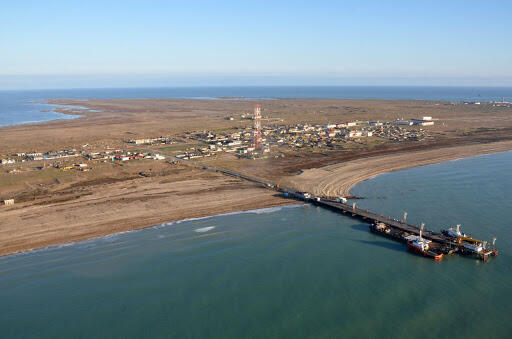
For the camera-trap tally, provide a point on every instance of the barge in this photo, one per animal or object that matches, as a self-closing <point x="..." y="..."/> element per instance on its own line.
<point x="432" y="244"/>
<point x="422" y="247"/>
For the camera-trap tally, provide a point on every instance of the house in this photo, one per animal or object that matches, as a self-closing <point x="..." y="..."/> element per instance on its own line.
<point x="354" y="134"/>
<point x="425" y="121"/>
<point x="142" y="141"/>
<point x="403" y="122"/>
<point x="9" y="202"/>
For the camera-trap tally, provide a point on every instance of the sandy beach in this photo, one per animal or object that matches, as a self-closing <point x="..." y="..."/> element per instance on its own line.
<point x="127" y="206"/>
<point x="338" y="179"/>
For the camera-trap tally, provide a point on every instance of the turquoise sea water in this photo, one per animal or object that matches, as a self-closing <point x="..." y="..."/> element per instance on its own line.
<point x="294" y="272"/>
<point x="18" y="107"/>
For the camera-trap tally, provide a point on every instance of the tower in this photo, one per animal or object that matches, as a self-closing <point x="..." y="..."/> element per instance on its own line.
<point x="257" y="128"/>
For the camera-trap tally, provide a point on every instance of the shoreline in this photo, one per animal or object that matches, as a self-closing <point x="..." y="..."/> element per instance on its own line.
<point x="339" y="179"/>
<point x="127" y="206"/>
<point x="425" y="165"/>
<point x="57" y="109"/>
<point x="115" y="228"/>
<point x="56" y="102"/>
<point x="54" y="207"/>
<point x="156" y="226"/>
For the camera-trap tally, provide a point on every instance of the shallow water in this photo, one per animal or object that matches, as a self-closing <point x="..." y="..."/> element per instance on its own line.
<point x="290" y="272"/>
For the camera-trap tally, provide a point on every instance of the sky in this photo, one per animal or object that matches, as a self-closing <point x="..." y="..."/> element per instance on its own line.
<point x="69" y="44"/>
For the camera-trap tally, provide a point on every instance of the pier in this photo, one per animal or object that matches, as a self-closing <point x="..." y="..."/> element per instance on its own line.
<point x="398" y="230"/>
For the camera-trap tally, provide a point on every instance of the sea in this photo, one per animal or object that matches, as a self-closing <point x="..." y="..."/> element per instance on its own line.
<point x="298" y="271"/>
<point x="29" y="106"/>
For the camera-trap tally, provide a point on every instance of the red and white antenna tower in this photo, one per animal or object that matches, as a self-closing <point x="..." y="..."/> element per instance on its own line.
<point x="257" y="128"/>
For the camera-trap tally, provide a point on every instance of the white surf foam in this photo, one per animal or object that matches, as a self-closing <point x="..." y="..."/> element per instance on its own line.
<point x="204" y="229"/>
<point x="115" y="236"/>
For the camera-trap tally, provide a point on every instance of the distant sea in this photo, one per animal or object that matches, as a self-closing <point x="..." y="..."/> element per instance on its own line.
<point x="21" y="107"/>
<point x="288" y="272"/>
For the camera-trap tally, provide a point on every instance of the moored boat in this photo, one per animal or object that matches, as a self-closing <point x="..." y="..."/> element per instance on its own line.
<point x="422" y="246"/>
<point x="453" y="232"/>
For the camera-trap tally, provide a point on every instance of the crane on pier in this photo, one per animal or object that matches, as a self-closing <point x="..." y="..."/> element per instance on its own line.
<point x="469" y="239"/>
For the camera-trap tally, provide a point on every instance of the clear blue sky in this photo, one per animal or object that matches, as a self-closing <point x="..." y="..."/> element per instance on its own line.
<point x="93" y="44"/>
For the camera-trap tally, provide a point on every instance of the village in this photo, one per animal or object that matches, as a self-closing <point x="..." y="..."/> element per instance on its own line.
<point x="238" y="141"/>
<point x="72" y="159"/>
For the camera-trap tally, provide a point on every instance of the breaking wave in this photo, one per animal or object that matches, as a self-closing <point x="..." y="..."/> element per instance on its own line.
<point x="204" y="229"/>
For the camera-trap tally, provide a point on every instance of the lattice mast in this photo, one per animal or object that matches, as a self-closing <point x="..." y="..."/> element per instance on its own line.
<point x="257" y="128"/>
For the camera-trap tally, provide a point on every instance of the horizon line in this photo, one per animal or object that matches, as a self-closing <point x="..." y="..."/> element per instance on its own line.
<point x="250" y="86"/>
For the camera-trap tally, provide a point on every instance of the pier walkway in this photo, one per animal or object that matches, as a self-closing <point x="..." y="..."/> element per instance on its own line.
<point x="356" y="212"/>
<point x="353" y="211"/>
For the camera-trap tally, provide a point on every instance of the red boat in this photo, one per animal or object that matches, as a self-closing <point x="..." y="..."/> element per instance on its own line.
<point x="421" y="246"/>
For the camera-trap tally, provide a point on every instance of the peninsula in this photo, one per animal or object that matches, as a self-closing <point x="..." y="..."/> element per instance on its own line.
<point x="108" y="170"/>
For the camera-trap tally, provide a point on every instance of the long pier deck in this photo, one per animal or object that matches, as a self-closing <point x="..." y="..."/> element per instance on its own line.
<point x="368" y="216"/>
<point x="446" y="243"/>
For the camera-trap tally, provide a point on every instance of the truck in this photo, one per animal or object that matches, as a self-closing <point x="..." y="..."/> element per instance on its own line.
<point x="304" y="195"/>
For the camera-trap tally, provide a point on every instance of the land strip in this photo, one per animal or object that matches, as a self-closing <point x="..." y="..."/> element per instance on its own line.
<point x="81" y="187"/>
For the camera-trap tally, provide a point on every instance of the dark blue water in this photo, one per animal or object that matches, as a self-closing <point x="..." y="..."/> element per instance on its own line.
<point x="294" y="272"/>
<point x="15" y="107"/>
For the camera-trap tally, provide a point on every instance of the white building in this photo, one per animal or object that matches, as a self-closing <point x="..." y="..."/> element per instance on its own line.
<point x="9" y="202"/>
<point x="355" y="134"/>
<point x="403" y="122"/>
<point x="425" y="121"/>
